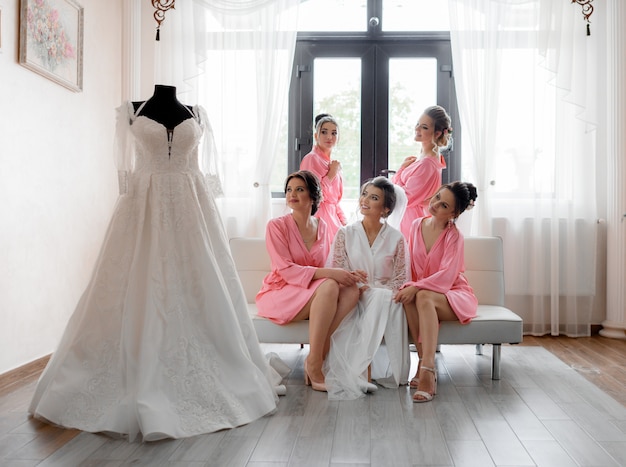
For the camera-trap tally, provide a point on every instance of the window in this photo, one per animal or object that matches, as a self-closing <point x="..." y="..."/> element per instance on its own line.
<point x="374" y="78"/>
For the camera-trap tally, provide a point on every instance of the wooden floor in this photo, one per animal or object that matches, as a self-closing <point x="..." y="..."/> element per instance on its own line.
<point x="565" y="407"/>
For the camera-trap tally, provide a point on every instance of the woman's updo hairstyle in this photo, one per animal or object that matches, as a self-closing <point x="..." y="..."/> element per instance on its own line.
<point x="312" y="184"/>
<point x="320" y="119"/>
<point x="442" y="123"/>
<point x="388" y="189"/>
<point x="465" y="195"/>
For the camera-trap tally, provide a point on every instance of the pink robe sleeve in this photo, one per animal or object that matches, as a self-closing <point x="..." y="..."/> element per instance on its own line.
<point x="283" y="264"/>
<point x="317" y="165"/>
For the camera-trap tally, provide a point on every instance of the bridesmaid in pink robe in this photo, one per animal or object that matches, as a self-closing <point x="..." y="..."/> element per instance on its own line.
<point x="438" y="290"/>
<point x="328" y="171"/>
<point x="299" y="285"/>
<point x="421" y="177"/>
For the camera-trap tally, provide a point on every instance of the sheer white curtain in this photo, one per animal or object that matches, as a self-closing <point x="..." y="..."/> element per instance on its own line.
<point x="235" y="58"/>
<point x="527" y="85"/>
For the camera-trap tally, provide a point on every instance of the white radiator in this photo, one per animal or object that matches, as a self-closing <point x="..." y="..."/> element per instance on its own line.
<point x="543" y="256"/>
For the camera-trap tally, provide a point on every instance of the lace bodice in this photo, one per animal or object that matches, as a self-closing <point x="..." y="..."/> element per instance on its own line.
<point x="161" y="150"/>
<point x="145" y="146"/>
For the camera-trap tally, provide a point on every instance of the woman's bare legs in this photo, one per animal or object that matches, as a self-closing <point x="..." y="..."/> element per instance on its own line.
<point x="413" y="322"/>
<point x="348" y="299"/>
<point x="429" y="308"/>
<point x="325" y="310"/>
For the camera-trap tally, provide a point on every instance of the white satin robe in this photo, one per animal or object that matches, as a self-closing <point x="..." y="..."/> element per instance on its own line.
<point x="357" y="341"/>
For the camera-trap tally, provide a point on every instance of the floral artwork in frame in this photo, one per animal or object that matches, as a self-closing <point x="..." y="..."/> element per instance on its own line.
<point x="51" y="40"/>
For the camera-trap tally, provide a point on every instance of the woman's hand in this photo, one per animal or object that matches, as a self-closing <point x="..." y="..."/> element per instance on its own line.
<point x="342" y="276"/>
<point x="408" y="161"/>
<point x="335" y="166"/>
<point x="360" y="275"/>
<point x="406" y="295"/>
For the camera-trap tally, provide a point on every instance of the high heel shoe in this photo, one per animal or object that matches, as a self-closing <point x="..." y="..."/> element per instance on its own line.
<point x="309" y="382"/>
<point x="415" y="382"/>
<point x="427" y="396"/>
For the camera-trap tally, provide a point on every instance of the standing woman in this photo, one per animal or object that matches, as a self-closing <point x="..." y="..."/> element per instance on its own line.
<point x="421" y="177"/>
<point x="374" y="246"/>
<point x="299" y="286"/>
<point x="438" y="290"/>
<point x="328" y="171"/>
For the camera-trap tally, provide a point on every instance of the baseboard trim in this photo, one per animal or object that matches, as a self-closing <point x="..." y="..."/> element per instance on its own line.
<point x="20" y="374"/>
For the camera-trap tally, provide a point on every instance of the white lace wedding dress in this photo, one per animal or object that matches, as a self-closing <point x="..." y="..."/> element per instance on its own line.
<point x="160" y="344"/>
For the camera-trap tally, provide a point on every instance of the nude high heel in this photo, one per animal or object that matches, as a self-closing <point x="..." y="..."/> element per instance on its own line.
<point x="415" y="382"/>
<point x="309" y="382"/>
<point x="427" y="396"/>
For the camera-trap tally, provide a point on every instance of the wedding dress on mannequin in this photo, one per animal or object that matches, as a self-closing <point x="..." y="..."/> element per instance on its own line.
<point x="160" y="344"/>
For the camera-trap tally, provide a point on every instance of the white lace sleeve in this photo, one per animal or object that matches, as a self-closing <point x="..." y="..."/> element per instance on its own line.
<point x="209" y="162"/>
<point x="338" y="256"/>
<point x="124" y="145"/>
<point x="400" y="267"/>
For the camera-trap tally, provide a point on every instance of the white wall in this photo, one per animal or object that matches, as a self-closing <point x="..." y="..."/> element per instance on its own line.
<point x="58" y="183"/>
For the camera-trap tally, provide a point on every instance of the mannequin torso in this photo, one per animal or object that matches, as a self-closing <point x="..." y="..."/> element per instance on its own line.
<point x="163" y="107"/>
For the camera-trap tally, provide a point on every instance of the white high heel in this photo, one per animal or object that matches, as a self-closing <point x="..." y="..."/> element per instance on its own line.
<point x="427" y="396"/>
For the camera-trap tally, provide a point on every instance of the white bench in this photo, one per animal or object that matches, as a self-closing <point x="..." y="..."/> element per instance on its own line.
<point x="484" y="267"/>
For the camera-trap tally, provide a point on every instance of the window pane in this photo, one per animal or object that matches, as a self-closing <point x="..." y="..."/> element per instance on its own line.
<point x="415" y="15"/>
<point x="412" y="88"/>
<point x="337" y="91"/>
<point x="332" y="15"/>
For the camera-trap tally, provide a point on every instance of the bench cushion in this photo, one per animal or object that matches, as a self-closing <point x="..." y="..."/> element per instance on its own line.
<point x="494" y="323"/>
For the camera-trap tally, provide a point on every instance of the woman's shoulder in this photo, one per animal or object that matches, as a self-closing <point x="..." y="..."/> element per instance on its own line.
<point x="356" y="225"/>
<point x="418" y="222"/>
<point x="428" y="163"/>
<point x="453" y="234"/>
<point x="392" y="232"/>
<point x="279" y="223"/>
<point x="315" y="157"/>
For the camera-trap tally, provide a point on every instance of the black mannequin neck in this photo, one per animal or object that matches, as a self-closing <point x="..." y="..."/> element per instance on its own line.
<point x="164" y="107"/>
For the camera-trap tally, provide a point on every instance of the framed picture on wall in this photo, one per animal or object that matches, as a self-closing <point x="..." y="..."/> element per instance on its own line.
<point x="51" y="40"/>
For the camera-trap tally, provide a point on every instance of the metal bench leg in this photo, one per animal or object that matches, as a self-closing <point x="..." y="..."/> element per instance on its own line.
<point x="495" y="361"/>
<point x="479" y="349"/>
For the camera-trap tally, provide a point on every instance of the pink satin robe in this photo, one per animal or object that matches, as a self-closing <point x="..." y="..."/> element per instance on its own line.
<point x="290" y="285"/>
<point x="420" y="180"/>
<point x="441" y="269"/>
<point x="332" y="190"/>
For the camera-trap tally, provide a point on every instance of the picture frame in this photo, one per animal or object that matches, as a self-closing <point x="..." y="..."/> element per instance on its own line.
<point x="51" y="40"/>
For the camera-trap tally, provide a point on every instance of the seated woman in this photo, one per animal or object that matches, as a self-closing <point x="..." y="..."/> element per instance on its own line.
<point x="299" y="286"/>
<point x="438" y="290"/>
<point x="375" y="247"/>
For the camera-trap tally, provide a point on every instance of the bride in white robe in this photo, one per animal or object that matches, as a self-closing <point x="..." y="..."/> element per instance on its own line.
<point x="378" y="249"/>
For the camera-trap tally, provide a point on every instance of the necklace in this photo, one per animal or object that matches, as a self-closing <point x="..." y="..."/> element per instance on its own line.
<point x="311" y="234"/>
